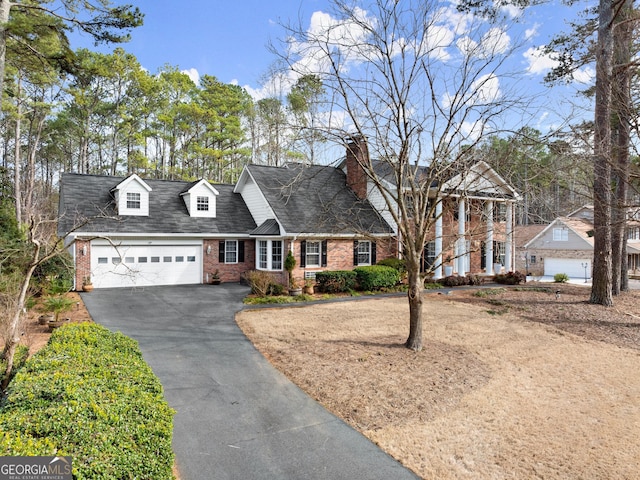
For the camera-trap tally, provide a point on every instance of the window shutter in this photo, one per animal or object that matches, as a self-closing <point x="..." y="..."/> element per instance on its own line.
<point x="323" y="254"/>
<point x="221" y="251"/>
<point x="240" y="251"/>
<point x="373" y="253"/>
<point x="355" y="252"/>
<point x="303" y="253"/>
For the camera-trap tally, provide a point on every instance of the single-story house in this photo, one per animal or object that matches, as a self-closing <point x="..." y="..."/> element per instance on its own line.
<point x="566" y="246"/>
<point x="130" y="231"/>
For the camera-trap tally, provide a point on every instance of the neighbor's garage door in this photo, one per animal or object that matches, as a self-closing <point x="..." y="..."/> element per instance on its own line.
<point x="145" y="265"/>
<point x="573" y="267"/>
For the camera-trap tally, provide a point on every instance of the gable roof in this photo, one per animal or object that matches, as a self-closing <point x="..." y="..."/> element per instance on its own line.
<point x="315" y="200"/>
<point x="88" y="199"/>
<point x="578" y="226"/>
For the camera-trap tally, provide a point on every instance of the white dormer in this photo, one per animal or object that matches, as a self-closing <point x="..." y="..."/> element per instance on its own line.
<point x="132" y="196"/>
<point x="200" y="199"/>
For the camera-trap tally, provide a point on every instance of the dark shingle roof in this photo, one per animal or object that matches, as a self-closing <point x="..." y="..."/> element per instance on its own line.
<point x="89" y="197"/>
<point x="316" y="199"/>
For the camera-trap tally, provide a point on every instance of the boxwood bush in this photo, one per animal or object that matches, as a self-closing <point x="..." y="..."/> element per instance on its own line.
<point x="376" y="277"/>
<point x="336" y="281"/>
<point x="90" y="395"/>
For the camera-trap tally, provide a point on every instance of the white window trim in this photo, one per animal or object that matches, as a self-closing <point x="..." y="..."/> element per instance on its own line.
<point x="269" y="243"/>
<point x="368" y="244"/>
<point x="560" y="234"/>
<point x="134" y="198"/>
<point x="226" y="251"/>
<point x="317" y="254"/>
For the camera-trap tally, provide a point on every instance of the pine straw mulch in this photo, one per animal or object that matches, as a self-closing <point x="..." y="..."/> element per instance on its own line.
<point x="512" y="384"/>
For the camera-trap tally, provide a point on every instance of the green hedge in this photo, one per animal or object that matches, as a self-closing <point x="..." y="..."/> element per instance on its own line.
<point x="90" y="395"/>
<point x="336" y="281"/>
<point x="376" y="277"/>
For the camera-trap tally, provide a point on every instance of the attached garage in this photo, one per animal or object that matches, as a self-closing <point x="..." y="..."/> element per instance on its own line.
<point x="573" y="267"/>
<point x="130" y="264"/>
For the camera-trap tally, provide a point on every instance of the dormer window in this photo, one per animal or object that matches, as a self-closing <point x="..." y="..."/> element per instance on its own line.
<point x="133" y="200"/>
<point x="200" y="199"/>
<point x="132" y="196"/>
<point x="202" y="204"/>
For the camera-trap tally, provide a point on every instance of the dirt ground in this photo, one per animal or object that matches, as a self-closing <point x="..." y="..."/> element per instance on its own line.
<point x="521" y="384"/>
<point x="35" y="336"/>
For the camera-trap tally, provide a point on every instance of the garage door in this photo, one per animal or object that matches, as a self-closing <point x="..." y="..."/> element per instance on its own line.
<point x="145" y="265"/>
<point x="573" y="267"/>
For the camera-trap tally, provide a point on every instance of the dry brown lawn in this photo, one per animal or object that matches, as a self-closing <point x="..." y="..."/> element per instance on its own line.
<point x="515" y="385"/>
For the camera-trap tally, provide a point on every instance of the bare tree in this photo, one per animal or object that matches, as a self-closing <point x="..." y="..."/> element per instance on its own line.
<point x="422" y="83"/>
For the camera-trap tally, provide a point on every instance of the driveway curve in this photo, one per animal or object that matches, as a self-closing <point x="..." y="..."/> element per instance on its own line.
<point x="237" y="416"/>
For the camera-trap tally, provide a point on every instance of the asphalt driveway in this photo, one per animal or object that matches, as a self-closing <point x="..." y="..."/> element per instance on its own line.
<point x="237" y="416"/>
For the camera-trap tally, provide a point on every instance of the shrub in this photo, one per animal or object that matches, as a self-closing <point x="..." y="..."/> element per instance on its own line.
<point x="561" y="278"/>
<point x="452" y="281"/>
<point x="376" y="277"/>
<point x="19" y="359"/>
<point x="336" y="281"/>
<point x="510" y="278"/>
<point x="474" y="280"/>
<point x="54" y="276"/>
<point x="276" y="289"/>
<point x="399" y="264"/>
<point x="259" y="281"/>
<point x="90" y="395"/>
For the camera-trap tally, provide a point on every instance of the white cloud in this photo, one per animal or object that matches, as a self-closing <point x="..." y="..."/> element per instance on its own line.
<point x="584" y="75"/>
<point x="486" y="89"/>
<point x="495" y="42"/>
<point x="193" y="74"/>
<point x="437" y="39"/>
<point x="529" y="33"/>
<point x="538" y="62"/>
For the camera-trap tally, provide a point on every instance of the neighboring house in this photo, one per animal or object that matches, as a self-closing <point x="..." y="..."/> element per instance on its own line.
<point x="525" y="261"/>
<point x="566" y="246"/>
<point x="138" y="232"/>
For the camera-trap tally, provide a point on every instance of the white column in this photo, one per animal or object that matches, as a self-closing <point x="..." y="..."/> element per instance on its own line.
<point x="438" y="270"/>
<point x="508" y="248"/>
<point x="489" y="243"/>
<point x="462" y="230"/>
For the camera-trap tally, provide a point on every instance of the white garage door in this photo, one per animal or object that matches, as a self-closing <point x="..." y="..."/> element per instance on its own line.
<point x="145" y="265"/>
<point x="573" y="267"/>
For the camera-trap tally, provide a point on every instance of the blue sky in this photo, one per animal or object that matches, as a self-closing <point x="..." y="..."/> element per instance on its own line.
<point x="228" y="39"/>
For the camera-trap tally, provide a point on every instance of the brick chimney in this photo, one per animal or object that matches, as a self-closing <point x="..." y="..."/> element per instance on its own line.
<point x="357" y="157"/>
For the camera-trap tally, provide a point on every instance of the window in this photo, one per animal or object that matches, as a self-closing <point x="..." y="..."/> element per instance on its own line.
<point x="180" y="259"/>
<point x="103" y="260"/>
<point x="313" y="254"/>
<point x="142" y="259"/>
<point x="269" y="254"/>
<point x="364" y="253"/>
<point x="133" y="200"/>
<point x="231" y="251"/>
<point x="500" y="212"/>
<point x="532" y="259"/>
<point x="633" y="233"/>
<point x="191" y="258"/>
<point x="129" y="259"/>
<point x="202" y="204"/>
<point x="116" y="260"/>
<point x="155" y="259"/>
<point x="499" y="252"/>
<point x="166" y="259"/>
<point x="560" y="235"/>
<point x="429" y="254"/>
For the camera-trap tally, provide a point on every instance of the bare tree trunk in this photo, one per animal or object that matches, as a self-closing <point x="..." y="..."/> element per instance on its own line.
<point x="414" y="342"/>
<point x="5" y="9"/>
<point x="15" y="325"/>
<point x="17" y="173"/>
<point x="601" y="286"/>
<point x="621" y="102"/>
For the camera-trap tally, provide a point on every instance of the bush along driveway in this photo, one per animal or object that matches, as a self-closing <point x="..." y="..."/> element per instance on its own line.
<point x="236" y="415"/>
